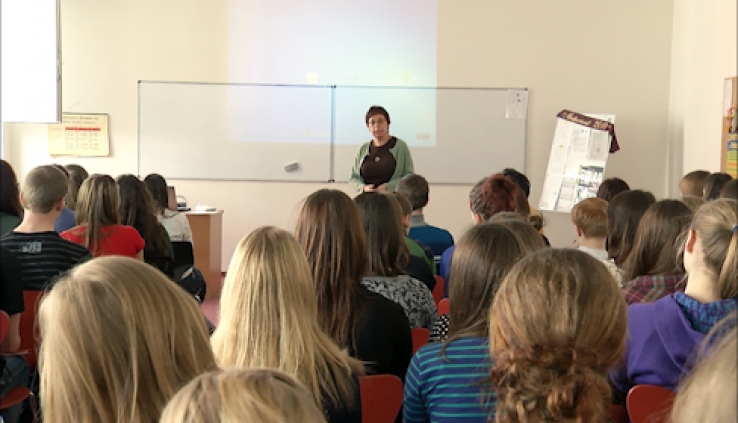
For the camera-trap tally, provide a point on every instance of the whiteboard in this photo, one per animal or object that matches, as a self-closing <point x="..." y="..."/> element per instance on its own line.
<point x="234" y="131"/>
<point x="312" y="133"/>
<point x="455" y="135"/>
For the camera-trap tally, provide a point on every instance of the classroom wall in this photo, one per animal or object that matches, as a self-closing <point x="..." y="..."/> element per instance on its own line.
<point x="602" y="57"/>
<point x="703" y="55"/>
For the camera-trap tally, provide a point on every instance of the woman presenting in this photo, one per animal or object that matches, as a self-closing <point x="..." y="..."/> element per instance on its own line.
<point x="383" y="161"/>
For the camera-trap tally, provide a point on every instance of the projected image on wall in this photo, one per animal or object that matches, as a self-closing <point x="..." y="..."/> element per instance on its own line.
<point x="385" y="43"/>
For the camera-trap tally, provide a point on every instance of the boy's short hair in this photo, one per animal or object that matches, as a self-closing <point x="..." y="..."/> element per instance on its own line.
<point x="590" y="215"/>
<point x="43" y="187"/>
<point x="405" y="205"/>
<point x="415" y="188"/>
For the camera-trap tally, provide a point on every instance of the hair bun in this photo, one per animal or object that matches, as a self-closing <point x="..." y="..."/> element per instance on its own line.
<point x="578" y="394"/>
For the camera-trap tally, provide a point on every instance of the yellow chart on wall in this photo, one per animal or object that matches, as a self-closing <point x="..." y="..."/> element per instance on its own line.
<point x="79" y="135"/>
<point x="731" y="159"/>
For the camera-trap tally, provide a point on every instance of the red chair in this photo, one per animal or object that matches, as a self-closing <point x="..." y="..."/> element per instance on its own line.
<point x="16" y="395"/>
<point x="381" y="398"/>
<point x="420" y="338"/>
<point x="28" y="329"/>
<point x="649" y="404"/>
<point x="443" y="307"/>
<point x="438" y="289"/>
<point x="617" y="414"/>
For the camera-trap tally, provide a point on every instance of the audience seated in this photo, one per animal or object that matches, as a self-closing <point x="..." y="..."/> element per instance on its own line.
<point x="11" y="211"/>
<point x="624" y="212"/>
<point x="652" y="269"/>
<point x="98" y="222"/>
<point x="66" y="219"/>
<point x="119" y="340"/>
<point x="488" y="197"/>
<point x="693" y="183"/>
<point x="374" y="329"/>
<point x="447" y="382"/>
<point x="415" y="188"/>
<point x="714" y="184"/>
<point x="239" y="395"/>
<point x="590" y="232"/>
<point x="415" y="248"/>
<point x="388" y="260"/>
<point x="136" y="210"/>
<point x="268" y="318"/>
<point x="14" y="371"/>
<point x="664" y="335"/>
<point x="708" y="394"/>
<point x="611" y="187"/>
<point x="730" y="190"/>
<point x="176" y="224"/>
<point x="550" y="360"/>
<point x="42" y="253"/>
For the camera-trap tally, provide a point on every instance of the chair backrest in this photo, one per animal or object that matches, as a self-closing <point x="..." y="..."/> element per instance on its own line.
<point x="617" y="414"/>
<point x="381" y="398"/>
<point x="438" y="289"/>
<point x="28" y="329"/>
<point x="443" y="307"/>
<point x="420" y="338"/>
<point x="649" y="404"/>
<point x="4" y="325"/>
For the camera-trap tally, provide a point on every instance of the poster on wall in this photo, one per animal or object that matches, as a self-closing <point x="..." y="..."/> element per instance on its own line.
<point x="79" y="135"/>
<point x="577" y="162"/>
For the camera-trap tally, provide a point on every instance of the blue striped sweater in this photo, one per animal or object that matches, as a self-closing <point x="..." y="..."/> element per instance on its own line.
<point x="449" y="388"/>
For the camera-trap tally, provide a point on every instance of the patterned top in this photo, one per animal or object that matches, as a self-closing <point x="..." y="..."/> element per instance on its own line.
<point x="609" y="263"/>
<point x="414" y="297"/>
<point x="449" y="386"/>
<point x="703" y="316"/>
<point x="649" y="288"/>
<point x="439" y="333"/>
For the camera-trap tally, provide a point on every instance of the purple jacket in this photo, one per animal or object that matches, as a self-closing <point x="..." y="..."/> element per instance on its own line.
<point x="660" y="342"/>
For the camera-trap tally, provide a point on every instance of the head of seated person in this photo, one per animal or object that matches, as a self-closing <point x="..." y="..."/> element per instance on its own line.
<point x="551" y="362"/>
<point x="415" y="188"/>
<point x="77" y="175"/>
<point x="269" y="319"/>
<point x="243" y="395"/>
<point x="493" y="195"/>
<point x="43" y="192"/>
<point x="136" y="209"/>
<point x="714" y="184"/>
<point x="385" y="235"/>
<point x="119" y="334"/>
<point x="624" y="212"/>
<point x="693" y="183"/>
<point x="589" y="217"/>
<point x="611" y="187"/>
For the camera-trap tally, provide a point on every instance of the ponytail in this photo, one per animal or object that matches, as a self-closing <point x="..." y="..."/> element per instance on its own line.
<point x="716" y="224"/>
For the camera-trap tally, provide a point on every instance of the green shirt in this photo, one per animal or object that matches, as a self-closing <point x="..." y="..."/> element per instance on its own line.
<point x="404" y="165"/>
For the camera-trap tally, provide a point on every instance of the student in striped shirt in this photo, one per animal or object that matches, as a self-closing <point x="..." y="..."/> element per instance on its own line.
<point x="446" y="382"/>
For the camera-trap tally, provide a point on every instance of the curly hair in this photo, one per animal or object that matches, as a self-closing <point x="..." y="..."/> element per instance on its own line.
<point x="551" y="361"/>
<point x="495" y="194"/>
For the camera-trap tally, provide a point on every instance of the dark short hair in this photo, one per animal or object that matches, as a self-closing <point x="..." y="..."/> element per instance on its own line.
<point x="376" y="110"/>
<point x="713" y="184"/>
<point x="611" y="187"/>
<point x="519" y="179"/>
<point x="415" y="188"/>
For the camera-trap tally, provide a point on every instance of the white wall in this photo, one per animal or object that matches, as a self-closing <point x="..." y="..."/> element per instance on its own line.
<point x="607" y="57"/>
<point x="703" y="55"/>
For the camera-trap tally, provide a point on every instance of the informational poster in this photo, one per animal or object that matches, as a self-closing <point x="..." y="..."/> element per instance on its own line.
<point x="576" y="165"/>
<point x="79" y="135"/>
<point x="731" y="158"/>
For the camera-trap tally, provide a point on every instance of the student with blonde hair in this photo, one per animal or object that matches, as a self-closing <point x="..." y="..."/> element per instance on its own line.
<point x="119" y="340"/>
<point x="663" y="335"/>
<point x="373" y="329"/>
<point x="98" y="222"/>
<point x="550" y="359"/>
<point x="243" y="396"/>
<point x="269" y="318"/>
<point x="708" y="394"/>
<point x="446" y="382"/>
<point x="589" y="217"/>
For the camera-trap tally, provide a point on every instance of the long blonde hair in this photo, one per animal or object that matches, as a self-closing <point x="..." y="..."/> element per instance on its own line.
<point x="119" y="340"/>
<point x="241" y="395"/>
<point x="97" y="206"/>
<point x="557" y="325"/>
<point x="716" y="225"/>
<point x="269" y="318"/>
